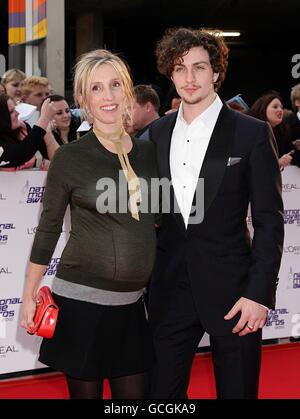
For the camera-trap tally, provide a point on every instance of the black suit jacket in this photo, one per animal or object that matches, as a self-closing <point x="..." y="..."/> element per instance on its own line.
<point x="217" y="255"/>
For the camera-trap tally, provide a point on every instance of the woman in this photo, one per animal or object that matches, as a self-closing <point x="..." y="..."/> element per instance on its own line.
<point x="269" y="108"/>
<point x="64" y="125"/>
<point x="18" y="145"/>
<point x="101" y="331"/>
<point x="12" y="80"/>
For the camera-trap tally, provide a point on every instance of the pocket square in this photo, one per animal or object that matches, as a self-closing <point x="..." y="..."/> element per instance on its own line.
<point x="233" y="160"/>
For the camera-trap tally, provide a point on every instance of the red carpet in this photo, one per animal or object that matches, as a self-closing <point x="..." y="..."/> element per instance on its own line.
<point x="280" y="378"/>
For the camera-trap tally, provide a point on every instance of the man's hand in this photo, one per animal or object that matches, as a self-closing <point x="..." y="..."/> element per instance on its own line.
<point x="253" y="316"/>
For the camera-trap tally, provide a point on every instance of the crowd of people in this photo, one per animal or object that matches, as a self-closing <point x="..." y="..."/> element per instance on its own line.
<point x="146" y="107"/>
<point x="203" y="276"/>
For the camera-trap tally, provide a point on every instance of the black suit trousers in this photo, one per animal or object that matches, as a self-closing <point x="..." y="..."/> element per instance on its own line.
<point x="236" y="359"/>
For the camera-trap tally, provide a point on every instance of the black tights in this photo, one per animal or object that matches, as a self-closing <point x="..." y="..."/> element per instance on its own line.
<point x="129" y="387"/>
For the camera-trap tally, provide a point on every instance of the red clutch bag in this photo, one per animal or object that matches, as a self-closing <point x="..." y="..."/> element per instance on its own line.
<point x="45" y="317"/>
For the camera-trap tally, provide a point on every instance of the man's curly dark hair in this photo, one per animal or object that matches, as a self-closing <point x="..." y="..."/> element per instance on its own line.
<point x="178" y="41"/>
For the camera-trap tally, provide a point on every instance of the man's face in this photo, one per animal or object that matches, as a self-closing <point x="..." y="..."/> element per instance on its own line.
<point x="194" y="77"/>
<point x="37" y="96"/>
<point x="139" y="115"/>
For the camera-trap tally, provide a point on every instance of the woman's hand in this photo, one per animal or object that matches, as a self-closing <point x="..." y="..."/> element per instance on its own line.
<point x="34" y="275"/>
<point x="286" y="159"/>
<point x="53" y="126"/>
<point x="48" y="111"/>
<point x="27" y="312"/>
<point x="51" y="144"/>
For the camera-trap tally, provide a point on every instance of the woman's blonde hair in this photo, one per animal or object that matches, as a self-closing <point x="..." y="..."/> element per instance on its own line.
<point x="85" y="69"/>
<point x="13" y="74"/>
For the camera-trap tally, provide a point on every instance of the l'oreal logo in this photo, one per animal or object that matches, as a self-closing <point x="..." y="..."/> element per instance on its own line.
<point x="4" y="271"/>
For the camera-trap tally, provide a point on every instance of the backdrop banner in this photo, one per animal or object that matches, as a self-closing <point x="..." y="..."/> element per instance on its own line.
<point x="21" y="197"/>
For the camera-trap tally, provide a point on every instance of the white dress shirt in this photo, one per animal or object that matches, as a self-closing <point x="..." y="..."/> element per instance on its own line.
<point x="298" y="114"/>
<point x="188" y="147"/>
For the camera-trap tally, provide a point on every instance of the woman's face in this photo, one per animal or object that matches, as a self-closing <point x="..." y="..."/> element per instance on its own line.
<point x="274" y="112"/>
<point x="62" y="117"/>
<point x="15" y="123"/>
<point x="13" y="89"/>
<point x="106" y="98"/>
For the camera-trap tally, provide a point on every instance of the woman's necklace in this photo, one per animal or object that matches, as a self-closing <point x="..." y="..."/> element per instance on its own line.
<point x="113" y="136"/>
<point x="134" y="187"/>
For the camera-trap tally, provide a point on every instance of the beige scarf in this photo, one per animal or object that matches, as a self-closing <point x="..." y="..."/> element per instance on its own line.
<point x="134" y="187"/>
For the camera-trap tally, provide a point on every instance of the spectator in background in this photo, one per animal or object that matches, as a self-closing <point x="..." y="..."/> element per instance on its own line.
<point x="172" y="102"/>
<point x="146" y="106"/>
<point x="236" y="107"/>
<point x="127" y="122"/>
<point x="269" y="108"/>
<point x="64" y="125"/>
<point x="238" y="104"/>
<point x="294" y="118"/>
<point x="35" y="90"/>
<point x="12" y="80"/>
<point x="175" y="103"/>
<point x="19" y="143"/>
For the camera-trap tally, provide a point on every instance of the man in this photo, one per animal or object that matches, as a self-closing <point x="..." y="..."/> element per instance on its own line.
<point x="208" y="277"/>
<point x="35" y="90"/>
<point x="145" y="109"/>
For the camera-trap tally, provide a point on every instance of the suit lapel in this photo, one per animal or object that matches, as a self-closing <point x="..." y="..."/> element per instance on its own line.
<point x="164" y="157"/>
<point x="164" y="144"/>
<point x="217" y="154"/>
